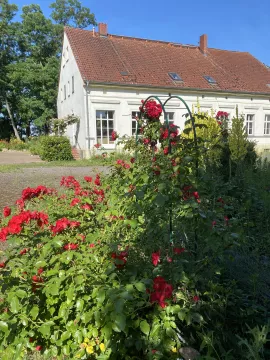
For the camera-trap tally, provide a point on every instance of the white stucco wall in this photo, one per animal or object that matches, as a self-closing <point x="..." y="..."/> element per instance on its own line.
<point x="124" y="101"/>
<point x="75" y="101"/>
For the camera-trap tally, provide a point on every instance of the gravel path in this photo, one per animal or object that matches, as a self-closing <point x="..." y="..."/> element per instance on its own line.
<point x="12" y="184"/>
<point x="18" y="157"/>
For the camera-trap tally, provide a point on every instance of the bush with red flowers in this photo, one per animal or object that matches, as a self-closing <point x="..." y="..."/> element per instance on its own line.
<point x="127" y="266"/>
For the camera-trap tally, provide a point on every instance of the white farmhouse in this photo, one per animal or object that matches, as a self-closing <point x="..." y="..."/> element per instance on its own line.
<point x="104" y="77"/>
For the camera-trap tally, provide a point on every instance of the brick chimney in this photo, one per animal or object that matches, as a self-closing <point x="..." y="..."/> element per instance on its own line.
<point x="103" y="29"/>
<point x="203" y="44"/>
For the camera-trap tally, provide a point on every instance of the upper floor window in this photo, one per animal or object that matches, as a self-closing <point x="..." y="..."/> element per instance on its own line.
<point x="104" y="126"/>
<point x="67" y="54"/>
<point x="250" y="124"/>
<point x="267" y="125"/>
<point x="65" y="92"/>
<point x="68" y="88"/>
<point x="61" y="94"/>
<point x="72" y="84"/>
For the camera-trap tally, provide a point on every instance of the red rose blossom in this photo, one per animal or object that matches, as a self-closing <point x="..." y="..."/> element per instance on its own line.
<point x="71" y="246"/>
<point x="178" y="251"/>
<point x="6" y="211"/>
<point x="155" y="258"/>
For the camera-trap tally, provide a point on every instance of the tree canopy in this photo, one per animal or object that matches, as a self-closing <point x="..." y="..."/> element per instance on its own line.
<point x="30" y="52"/>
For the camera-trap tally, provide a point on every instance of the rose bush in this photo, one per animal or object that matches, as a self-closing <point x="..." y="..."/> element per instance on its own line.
<point x="128" y="266"/>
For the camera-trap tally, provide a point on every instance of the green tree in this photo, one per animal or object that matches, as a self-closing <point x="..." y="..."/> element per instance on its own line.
<point x="238" y="141"/>
<point x="72" y="13"/>
<point x="8" y="45"/>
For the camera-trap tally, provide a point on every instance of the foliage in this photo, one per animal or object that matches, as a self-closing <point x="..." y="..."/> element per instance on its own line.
<point x="53" y="148"/>
<point x="59" y="126"/>
<point x="238" y="140"/>
<point x="141" y="264"/>
<point x="72" y="13"/>
<point x="30" y="63"/>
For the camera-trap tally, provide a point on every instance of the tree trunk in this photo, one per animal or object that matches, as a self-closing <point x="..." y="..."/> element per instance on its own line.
<point x="12" y="120"/>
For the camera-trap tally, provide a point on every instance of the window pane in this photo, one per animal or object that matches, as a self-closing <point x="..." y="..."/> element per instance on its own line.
<point x="110" y="114"/>
<point x="104" y="124"/>
<point x="171" y="115"/>
<point x="98" y="132"/>
<point x="105" y="140"/>
<point x="98" y="124"/>
<point x="110" y="132"/>
<point x="111" y="124"/>
<point x="104" y="132"/>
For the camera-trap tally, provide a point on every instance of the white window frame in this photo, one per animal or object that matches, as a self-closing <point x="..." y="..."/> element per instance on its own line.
<point x="250" y="121"/>
<point x="171" y="117"/>
<point x="133" y="121"/>
<point x="266" y="129"/>
<point x="72" y="84"/>
<point x="99" y="139"/>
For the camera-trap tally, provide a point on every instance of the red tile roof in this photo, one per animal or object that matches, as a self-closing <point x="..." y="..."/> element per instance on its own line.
<point x="148" y="62"/>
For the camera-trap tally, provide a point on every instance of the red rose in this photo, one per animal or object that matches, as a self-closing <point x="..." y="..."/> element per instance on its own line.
<point x="114" y="135"/>
<point x="6" y="211"/>
<point x="92" y="245"/>
<point x="132" y="160"/>
<point x="88" y="179"/>
<point x="39" y="348"/>
<point x="2" y="265"/>
<point x="71" y="246"/>
<point x="24" y="251"/>
<point x="178" y="251"/>
<point x="40" y="271"/>
<point x="196" y="298"/>
<point x="155" y="258"/>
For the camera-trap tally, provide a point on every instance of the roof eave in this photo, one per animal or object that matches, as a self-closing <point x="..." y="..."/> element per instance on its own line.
<point x="171" y="89"/>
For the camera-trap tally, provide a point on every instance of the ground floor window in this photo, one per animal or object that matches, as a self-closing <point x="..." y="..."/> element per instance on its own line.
<point x="250" y="124"/>
<point x="170" y="117"/>
<point x="134" y="116"/>
<point x="104" y="126"/>
<point x="267" y="125"/>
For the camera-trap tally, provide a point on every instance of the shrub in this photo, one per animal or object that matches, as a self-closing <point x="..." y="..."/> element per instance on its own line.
<point x="135" y="265"/>
<point x="55" y="148"/>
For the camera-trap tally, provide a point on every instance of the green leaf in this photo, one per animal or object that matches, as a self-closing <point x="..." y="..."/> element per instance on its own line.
<point x="14" y="305"/>
<point x="145" y="327"/>
<point x="66" y="335"/>
<point x="40" y="264"/>
<point x="101" y="296"/>
<point x="45" y="329"/>
<point x="3" y="326"/>
<point x="79" y="279"/>
<point x="118" y="305"/>
<point x="70" y="294"/>
<point x="80" y="304"/>
<point x="160" y="200"/>
<point x="120" y="322"/>
<point x="34" y="312"/>
<point x="21" y="293"/>
<point x="140" y="287"/>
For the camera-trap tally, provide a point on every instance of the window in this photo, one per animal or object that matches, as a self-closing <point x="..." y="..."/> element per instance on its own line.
<point x="170" y="117"/>
<point x="249" y="124"/>
<point x="72" y="80"/>
<point x="65" y="92"/>
<point x="105" y="126"/>
<point x="175" y="76"/>
<point x="61" y="94"/>
<point x="267" y="125"/>
<point x="67" y="54"/>
<point x="135" y="114"/>
<point x="68" y="88"/>
<point x="210" y="79"/>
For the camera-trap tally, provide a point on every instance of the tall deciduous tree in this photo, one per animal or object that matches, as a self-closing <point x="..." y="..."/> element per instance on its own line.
<point x="72" y="13"/>
<point x="8" y="45"/>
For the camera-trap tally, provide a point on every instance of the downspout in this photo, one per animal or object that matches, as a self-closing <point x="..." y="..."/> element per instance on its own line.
<point x="87" y="116"/>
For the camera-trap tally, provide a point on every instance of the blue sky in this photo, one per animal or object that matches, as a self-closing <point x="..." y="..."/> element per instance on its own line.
<point x="242" y="25"/>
